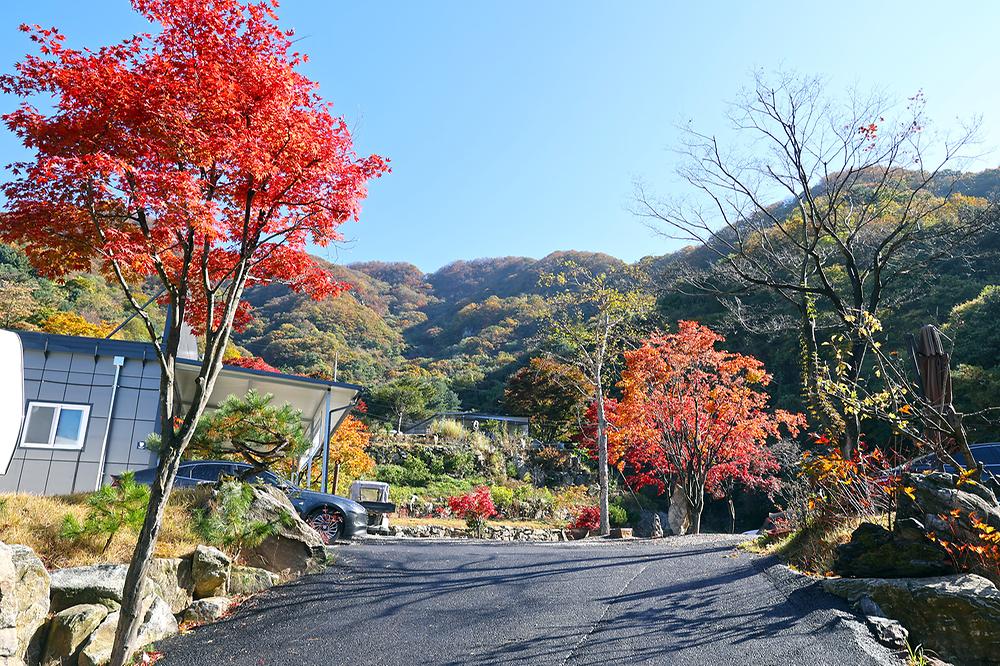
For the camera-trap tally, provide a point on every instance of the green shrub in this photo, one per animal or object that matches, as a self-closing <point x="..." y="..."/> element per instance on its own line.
<point x="413" y="472"/>
<point x="522" y="492"/>
<point x="459" y="463"/>
<point x="227" y="524"/>
<point x="435" y="464"/>
<point x="391" y="474"/>
<point x="617" y="515"/>
<point x="109" y="510"/>
<point x="436" y="490"/>
<point x="416" y="471"/>
<point x="444" y="486"/>
<point x="503" y="499"/>
<point x="479" y="442"/>
<point x="449" y="430"/>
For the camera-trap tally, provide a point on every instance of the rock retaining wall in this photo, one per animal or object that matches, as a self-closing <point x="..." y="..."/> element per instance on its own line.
<point x="958" y="617"/>
<point x="494" y="532"/>
<point x="902" y="574"/>
<point x="70" y="616"/>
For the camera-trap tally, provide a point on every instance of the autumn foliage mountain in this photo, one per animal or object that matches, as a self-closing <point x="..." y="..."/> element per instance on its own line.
<point x="475" y="322"/>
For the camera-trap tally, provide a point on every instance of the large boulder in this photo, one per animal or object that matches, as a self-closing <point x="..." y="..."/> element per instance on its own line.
<point x="679" y="512"/>
<point x="951" y="507"/>
<point x="158" y="623"/>
<point x="9" y="645"/>
<point x="875" y="552"/>
<point x="245" y="581"/>
<point x="171" y="579"/>
<point x="210" y="570"/>
<point x="32" y="594"/>
<point x="95" y="584"/>
<point x="937" y="494"/>
<point x="69" y="629"/>
<point x="649" y="526"/>
<point x="294" y="548"/>
<point x="24" y="604"/>
<point x="208" y="609"/>
<point x="957" y="617"/>
<point x="97" y="650"/>
<point x="933" y="508"/>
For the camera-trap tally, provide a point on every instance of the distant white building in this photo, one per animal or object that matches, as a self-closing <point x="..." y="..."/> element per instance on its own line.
<point x="76" y="411"/>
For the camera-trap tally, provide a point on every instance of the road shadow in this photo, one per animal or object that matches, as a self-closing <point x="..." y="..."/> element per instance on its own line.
<point x="379" y="586"/>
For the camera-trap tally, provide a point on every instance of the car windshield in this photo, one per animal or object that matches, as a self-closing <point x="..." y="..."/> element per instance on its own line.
<point x="270" y="478"/>
<point x="208" y="472"/>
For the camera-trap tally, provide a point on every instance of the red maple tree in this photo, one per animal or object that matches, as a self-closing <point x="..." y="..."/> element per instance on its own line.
<point x="198" y="158"/>
<point x="697" y="416"/>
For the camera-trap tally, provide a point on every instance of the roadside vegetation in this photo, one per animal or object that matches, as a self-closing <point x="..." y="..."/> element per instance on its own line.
<point x="40" y="523"/>
<point x="102" y="527"/>
<point x="811" y="548"/>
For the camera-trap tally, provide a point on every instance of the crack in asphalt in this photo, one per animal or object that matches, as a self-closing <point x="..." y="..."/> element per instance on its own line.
<point x="604" y="615"/>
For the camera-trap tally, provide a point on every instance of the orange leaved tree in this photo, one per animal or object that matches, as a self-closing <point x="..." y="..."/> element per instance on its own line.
<point x="697" y="416"/>
<point x="198" y="158"/>
<point x="347" y="450"/>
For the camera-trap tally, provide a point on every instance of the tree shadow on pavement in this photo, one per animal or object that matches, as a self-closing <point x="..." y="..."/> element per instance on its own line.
<point x="461" y="589"/>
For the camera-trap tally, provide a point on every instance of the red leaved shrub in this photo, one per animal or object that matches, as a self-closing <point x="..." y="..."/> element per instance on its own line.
<point x="476" y="507"/>
<point x="589" y="518"/>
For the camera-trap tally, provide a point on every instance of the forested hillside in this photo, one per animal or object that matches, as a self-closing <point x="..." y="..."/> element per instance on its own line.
<point x="459" y="334"/>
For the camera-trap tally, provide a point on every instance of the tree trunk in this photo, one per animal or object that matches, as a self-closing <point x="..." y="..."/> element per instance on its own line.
<point x="602" y="461"/>
<point x="174" y="444"/>
<point x="336" y="477"/>
<point x="135" y="578"/>
<point x="697" y="506"/>
<point x="732" y="515"/>
<point x="852" y="422"/>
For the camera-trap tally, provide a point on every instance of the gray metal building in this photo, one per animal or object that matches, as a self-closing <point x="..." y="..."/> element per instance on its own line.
<point x="79" y="410"/>
<point x="514" y="425"/>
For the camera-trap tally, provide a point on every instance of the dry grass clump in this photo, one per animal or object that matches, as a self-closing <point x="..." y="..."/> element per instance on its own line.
<point x="449" y="430"/>
<point x="810" y="549"/>
<point x="36" y="521"/>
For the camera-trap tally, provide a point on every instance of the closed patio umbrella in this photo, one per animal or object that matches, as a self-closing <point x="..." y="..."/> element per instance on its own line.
<point x="934" y="365"/>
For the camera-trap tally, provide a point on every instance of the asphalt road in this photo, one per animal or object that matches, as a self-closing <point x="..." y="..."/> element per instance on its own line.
<point x="687" y="600"/>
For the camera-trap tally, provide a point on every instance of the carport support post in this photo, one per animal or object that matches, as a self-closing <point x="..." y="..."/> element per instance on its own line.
<point x="326" y="441"/>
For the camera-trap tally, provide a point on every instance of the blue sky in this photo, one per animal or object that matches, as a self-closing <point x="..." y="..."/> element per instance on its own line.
<point x="518" y="127"/>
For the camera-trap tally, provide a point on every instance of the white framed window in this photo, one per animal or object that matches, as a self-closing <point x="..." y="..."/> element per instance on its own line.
<point x="55" y="425"/>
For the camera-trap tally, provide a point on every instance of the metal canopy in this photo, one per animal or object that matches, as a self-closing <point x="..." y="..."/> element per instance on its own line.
<point x="306" y="394"/>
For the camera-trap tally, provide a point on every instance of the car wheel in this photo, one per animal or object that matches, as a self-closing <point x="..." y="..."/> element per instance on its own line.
<point x="328" y="521"/>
